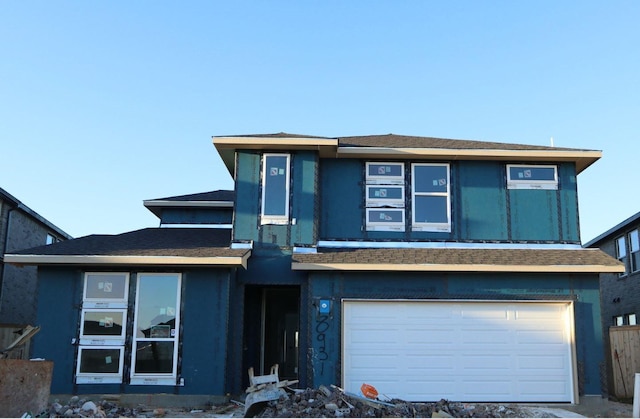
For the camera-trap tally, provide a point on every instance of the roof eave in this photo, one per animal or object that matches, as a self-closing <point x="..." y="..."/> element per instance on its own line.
<point x="297" y="266"/>
<point x="156" y="205"/>
<point x="119" y="260"/>
<point x="581" y="158"/>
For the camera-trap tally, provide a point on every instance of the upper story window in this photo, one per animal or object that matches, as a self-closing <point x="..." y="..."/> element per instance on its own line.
<point x="51" y="239"/>
<point x="621" y="252"/>
<point x="430" y="197"/>
<point x="275" y="189"/>
<point x="634" y="246"/>
<point x="385" y="196"/>
<point x="520" y="176"/>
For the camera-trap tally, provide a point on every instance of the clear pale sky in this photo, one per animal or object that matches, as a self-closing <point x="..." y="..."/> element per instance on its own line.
<point x="106" y="104"/>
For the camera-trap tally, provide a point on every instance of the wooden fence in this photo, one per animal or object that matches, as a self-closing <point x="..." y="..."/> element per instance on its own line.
<point x="625" y="358"/>
<point x="7" y="336"/>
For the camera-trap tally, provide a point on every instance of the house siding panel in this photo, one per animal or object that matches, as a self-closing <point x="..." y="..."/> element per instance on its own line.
<point x="341" y="199"/>
<point x="534" y="215"/>
<point x="568" y="203"/>
<point x="483" y="208"/>
<point x="304" y="203"/>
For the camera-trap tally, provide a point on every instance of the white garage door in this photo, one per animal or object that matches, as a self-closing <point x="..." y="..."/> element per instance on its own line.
<point x="459" y="351"/>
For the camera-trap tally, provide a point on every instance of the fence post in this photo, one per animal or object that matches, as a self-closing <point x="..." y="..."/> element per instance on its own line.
<point x="636" y="396"/>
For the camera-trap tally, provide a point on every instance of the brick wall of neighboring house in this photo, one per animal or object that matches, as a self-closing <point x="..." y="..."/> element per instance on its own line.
<point x="18" y="295"/>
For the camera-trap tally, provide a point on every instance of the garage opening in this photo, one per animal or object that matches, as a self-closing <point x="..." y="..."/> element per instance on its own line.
<point x="489" y="351"/>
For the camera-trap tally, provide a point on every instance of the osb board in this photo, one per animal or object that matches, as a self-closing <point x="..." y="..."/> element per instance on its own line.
<point x="24" y="387"/>
<point x="625" y="358"/>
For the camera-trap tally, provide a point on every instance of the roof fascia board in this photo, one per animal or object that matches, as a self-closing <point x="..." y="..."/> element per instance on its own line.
<point x="187" y="204"/>
<point x="262" y="142"/>
<point x="456" y="268"/>
<point x="335" y="244"/>
<point x="582" y="158"/>
<point x="125" y="260"/>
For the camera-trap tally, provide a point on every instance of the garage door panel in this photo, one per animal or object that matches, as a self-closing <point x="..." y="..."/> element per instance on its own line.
<point x="465" y="351"/>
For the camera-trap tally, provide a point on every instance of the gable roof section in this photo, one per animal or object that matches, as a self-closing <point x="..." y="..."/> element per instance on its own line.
<point x="212" y="199"/>
<point x="459" y="260"/>
<point x="150" y="246"/>
<point x="393" y="146"/>
<point x="614" y="231"/>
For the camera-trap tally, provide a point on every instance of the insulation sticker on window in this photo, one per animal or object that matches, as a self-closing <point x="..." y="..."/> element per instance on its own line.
<point x="442" y="182"/>
<point x="273" y="171"/>
<point x="107" y="360"/>
<point x="527" y="173"/>
<point x="108" y="287"/>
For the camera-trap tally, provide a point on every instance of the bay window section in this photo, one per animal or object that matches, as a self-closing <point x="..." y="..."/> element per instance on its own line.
<point x="156" y="329"/>
<point x="430" y="197"/>
<point x="275" y="189"/>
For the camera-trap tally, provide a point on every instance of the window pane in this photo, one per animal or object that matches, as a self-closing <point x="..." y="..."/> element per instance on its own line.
<point x="618" y="321"/>
<point x="632" y="319"/>
<point x="103" y="323"/>
<point x="430" y="179"/>
<point x="386" y="216"/>
<point x="385" y="192"/>
<point x="154" y="357"/>
<point x="275" y="184"/>
<point x="634" y="241"/>
<point x="100" y="361"/>
<point x="430" y="209"/>
<point x="532" y="173"/>
<point x="621" y="247"/>
<point x="385" y="169"/>
<point x="106" y="287"/>
<point x="157" y="305"/>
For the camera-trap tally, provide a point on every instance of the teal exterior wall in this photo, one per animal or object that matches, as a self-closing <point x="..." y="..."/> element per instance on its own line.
<point x="325" y="330"/>
<point x="482" y="208"/>
<point x="302" y="226"/>
<point x="204" y="334"/>
<point x="197" y="216"/>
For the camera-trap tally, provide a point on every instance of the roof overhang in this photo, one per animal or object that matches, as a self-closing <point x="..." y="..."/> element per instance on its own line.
<point x="581" y="158"/>
<point x="368" y="267"/>
<point x="156" y="205"/>
<point x="227" y="146"/>
<point x="119" y="260"/>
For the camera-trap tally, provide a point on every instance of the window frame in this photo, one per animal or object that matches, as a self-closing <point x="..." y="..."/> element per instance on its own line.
<point x="543" y="184"/>
<point x="105" y="340"/>
<point x="146" y="378"/>
<point x="430" y="226"/>
<point x="116" y="302"/>
<point x="381" y="179"/>
<point x="634" y="250"/>
<point x="619" y="255"/>
<point x="98" y="377"/>
<point x="275" y="218"/>
<point x="381" y="202"/>
<point x="385" y="226"/>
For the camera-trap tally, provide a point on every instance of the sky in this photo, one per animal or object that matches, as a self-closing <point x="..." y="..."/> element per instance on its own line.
<point x="106" y="104"/>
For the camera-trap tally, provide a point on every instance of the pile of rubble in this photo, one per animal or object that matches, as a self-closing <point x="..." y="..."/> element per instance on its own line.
<point x="323" y="403"/>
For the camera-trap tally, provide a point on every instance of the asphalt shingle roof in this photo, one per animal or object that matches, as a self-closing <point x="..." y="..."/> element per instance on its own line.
<point x="184" y="242"/>
<point x="396" y="258"/>
<point x="219" y="195"/>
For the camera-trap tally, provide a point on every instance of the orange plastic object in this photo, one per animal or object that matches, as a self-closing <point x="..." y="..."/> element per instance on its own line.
<point x="369" y="391"/>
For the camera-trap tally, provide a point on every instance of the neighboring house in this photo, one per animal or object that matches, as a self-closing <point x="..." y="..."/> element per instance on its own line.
<point x="619" y="292"/>
<point x="429" y="268"/>
<point x="20" y="228"/>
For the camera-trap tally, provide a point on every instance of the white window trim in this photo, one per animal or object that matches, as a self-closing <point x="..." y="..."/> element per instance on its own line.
<point x="533" y="184"/>
<point x="102" y="302"/>
<point x="622" y="257"/>
<point x="102" y="339"/>
<point x="384" y="202"/>
<point x="275" y="219"/>
<point x="384" y="180"/>
<point x="382" y="226"/>
<point x="99" y="378"/>
<point x="430" y="227"/>
<point x="159" y="378"/>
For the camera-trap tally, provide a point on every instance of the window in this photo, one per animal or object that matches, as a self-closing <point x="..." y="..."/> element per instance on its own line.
<point x="430" y="197"/>
<point x="618" y="320"/>
<point x="275" y="189"/>
<point x="634" y="243"/>
<point x="51" y="239"/>
<point x="102" y="328"/>
<point x="385" y="196"/>
<point x="532" y="176"/>
<point x="621" y="252"/>
<point x="631" y="319"/>
<point x="156" y="325"/>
